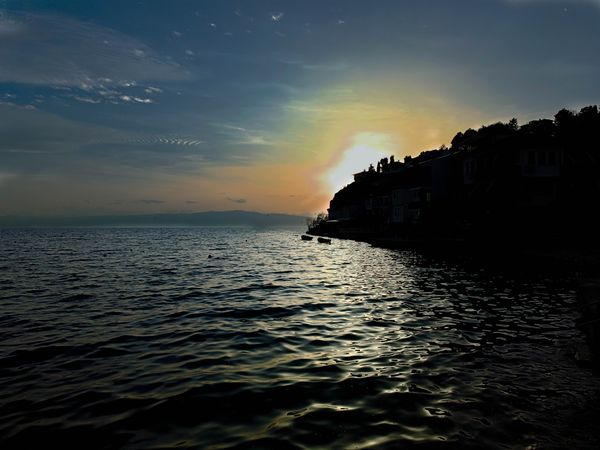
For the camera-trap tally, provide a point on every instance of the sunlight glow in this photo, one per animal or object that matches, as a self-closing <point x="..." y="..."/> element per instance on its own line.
<point x="365" y="149"/>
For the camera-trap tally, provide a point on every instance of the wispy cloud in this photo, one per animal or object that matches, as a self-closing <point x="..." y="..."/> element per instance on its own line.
<point x="237" y="200"/>
<point x="5" y="177"/>
<point x="171" y="140"/>
<point x="129" y="99"/>
<point x="254" y="140"/>
<point x="33" y="138"/>
<point x="230" y="127"/>
<point x="238" y="135"/>
<point x="61" y="51"/>
<point x="561" y="2"/>
<point x="9" y="27"/>
<point x="149" y="201"/>
<point x="108" y="94"/>
<point x="86" y="100"/>
<point x="329" y="66"/>
<point x="25" y="129"/>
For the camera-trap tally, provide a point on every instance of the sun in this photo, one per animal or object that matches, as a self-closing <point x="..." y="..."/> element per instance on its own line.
<point x="365" y="149"/>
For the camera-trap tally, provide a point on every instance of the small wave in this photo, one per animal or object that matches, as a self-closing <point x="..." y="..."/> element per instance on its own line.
<point x="255" y="313"/>
<point x="40" y="354"/>
<point x="77" y="297"/>
<point x="108" y="352"/>
<point x="259" y="287"/>
<point x="380" y="323"/>
<point x="207" y="362"/>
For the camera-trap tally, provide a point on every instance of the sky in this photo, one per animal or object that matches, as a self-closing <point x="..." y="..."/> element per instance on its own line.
<point x="128" y="107"/>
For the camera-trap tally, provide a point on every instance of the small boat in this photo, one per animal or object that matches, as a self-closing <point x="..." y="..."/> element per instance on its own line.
<point x="306" y="237"/>
<point x="323" y="240"/>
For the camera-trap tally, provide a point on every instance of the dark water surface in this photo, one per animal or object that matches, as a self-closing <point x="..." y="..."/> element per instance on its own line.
<point x="135" y="338"/>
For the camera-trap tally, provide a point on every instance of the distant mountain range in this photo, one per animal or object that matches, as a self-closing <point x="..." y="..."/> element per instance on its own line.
<point x="208" y="218"/>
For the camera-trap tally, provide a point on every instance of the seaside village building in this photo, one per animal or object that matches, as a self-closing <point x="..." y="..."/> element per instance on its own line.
<point x="450" y="192"/>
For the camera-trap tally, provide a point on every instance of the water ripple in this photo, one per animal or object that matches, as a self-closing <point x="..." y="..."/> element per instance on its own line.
<point x="135" y="338"/>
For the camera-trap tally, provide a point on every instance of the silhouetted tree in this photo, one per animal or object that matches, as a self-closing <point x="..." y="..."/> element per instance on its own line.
<point x="564" y="120"/>
<point x="316" y="222"/>
<point x="457" y="140"/>
<point x="541" y="127"/>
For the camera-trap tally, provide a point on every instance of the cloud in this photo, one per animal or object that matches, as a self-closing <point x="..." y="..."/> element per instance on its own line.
<point x="5" y="177"/>
<point x="173" y="140"/>
<point x="38" y="141"/>
<point x="9" y="27"/>
<point x="325" y="67"/>
<point x="152" y="90"/>
<point x="86" y="100"/>
<point x="35" y="142"/>
<point x="104" y="94"/>
<point x="25" y="129"/>
<point x="254" y="140"/>
<point x="237" y="135"/>
<point x="128" y="98"/>
<point x="230" y="127"/>
<point x="561" y="2"/>
<point x="61" y="51"/>
<point x="149" y="201"/>
<point x="237" y="200"/>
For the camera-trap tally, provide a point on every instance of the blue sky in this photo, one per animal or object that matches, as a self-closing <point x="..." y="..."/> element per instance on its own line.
<point x="163" y="106"/>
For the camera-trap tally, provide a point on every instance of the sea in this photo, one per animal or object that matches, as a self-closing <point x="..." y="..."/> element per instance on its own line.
<point x="250" y="338"/>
